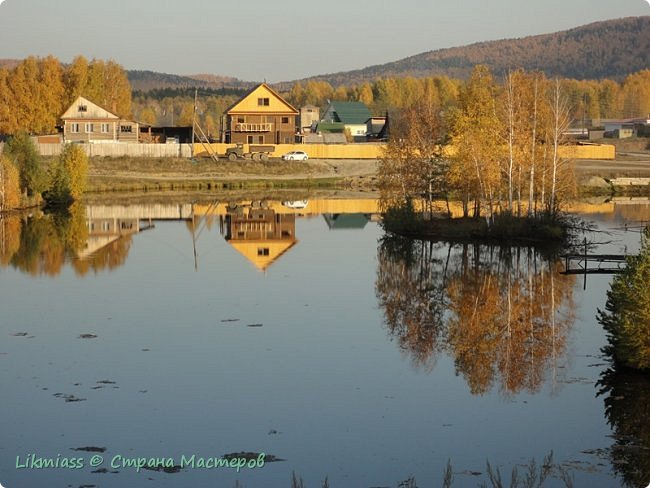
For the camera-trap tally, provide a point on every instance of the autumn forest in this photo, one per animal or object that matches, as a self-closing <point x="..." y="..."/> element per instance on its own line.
<point x="34" y="93"/>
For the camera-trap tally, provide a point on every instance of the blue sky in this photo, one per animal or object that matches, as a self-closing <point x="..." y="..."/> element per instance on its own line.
<point x="278" y="40"/>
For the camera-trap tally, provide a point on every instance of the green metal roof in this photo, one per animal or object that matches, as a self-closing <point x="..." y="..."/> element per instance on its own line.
<point x="351" y="112"/>
<point x="330" y="127"/>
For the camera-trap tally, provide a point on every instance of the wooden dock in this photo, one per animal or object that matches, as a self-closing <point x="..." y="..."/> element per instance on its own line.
<point x="593" y="263"/>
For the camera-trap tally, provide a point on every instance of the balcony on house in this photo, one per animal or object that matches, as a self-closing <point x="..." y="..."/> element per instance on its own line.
<point x="263" y="127"/>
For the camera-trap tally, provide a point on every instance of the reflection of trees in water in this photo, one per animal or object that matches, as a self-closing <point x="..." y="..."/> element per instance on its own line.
<point x="502" y="313"/>
<point x="10" y="226"/>
<point x="627" y="409"/>
<point x="41" y="250"/>
<point x="39" y="244"/>
<point x="632" y="212"/>
<point x="410" y="290"/>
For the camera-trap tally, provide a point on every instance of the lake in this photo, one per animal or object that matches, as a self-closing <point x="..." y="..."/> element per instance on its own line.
<point x="187" y="332"/>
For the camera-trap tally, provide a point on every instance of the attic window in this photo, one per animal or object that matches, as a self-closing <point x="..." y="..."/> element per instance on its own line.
<point x="263" y="102"/>
<point x="82" y="108"/>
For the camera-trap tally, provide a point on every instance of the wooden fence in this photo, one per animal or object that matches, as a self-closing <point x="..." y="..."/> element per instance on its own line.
<point x="121" y="149"/>
<point x="315" y="151"/>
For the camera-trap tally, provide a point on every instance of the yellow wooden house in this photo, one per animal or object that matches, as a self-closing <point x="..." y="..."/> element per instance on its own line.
<point x="262" y="116"/>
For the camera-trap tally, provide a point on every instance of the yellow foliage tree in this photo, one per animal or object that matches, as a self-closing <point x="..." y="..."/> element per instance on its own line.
<point x="68" y="175"/>
<point x="477" y="132"/>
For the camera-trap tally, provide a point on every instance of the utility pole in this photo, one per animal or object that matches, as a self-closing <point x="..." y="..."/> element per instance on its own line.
<point x="193" y="123"/>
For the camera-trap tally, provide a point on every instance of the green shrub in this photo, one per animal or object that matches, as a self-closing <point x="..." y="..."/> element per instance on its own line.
<point x="68" y="176"/>
<point x="21" y="150"/>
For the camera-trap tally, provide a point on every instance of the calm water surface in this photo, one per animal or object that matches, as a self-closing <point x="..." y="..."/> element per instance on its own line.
<point x="171" y="330"/>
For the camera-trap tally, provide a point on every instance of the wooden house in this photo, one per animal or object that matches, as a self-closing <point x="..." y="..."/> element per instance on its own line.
<point x="262" y="116"/>
<point x="85" y="121"/>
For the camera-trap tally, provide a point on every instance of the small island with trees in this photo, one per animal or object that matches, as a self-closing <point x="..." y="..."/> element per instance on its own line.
<point x="496" y="152"/>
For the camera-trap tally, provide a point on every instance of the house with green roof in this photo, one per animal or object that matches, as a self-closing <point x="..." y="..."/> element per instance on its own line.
<point x="346" y="116"/>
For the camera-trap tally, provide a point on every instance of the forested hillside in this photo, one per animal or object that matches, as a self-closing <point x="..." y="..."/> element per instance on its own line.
<point x="144" y="81"/>
<point x="610" y="49"/>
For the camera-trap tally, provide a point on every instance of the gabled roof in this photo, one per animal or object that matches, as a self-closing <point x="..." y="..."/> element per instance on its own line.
<point x="350" y="112"/>
<point x="248" y="103"/>
<point x="82" y="108"/>
<point x="275" y="247"/>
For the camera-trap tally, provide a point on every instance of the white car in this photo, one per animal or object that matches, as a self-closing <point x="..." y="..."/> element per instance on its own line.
<point x="295" y="156"/>
<point x="295" y="203"/>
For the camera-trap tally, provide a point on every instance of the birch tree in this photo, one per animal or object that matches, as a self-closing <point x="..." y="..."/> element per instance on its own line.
<point x="559" y="124"/>
<point x="477" y="138"/>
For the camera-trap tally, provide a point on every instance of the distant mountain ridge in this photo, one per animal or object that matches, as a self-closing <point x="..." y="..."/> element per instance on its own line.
<point x="145" y="81"/>
<point x="607" y="49"/>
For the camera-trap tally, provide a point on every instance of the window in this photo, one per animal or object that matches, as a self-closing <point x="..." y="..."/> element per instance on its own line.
<point x="285" y="120"/>
<point x="249" y="139"/>
<point x="105" y="128"/>
<point x="126" y="128"/>
<point x="260" y="139"/>
<point x="89" y="128"/>
<point x="241" y="120"/>
<point x="263" y="102"/>
<point x="82" y="108"/>
<point x="262" y="251"/>
<point x="106" y="226"/>
<point x="74" y="128"/>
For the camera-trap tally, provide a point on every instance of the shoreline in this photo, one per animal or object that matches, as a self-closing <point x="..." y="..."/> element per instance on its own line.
<point x="161" y="174"/>
<point x="108" y="175"/>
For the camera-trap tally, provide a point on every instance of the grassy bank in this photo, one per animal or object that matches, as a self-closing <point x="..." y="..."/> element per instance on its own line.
<point x="118" y="184"/>
<point x="165" y="174"/>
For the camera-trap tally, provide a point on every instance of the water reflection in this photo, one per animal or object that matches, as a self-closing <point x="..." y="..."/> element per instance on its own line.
<point x="40" y="244"/>
<point x="260" y="234"/>
<point x="340" y="221"/>
<point x="99" y="237"/>
<point x="502" y="313"/>
<point x="627" y="409"/>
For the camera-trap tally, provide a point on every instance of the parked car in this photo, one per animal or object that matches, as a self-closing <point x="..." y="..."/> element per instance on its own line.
<point x="295" y="156"/>
<point x="295" y="203"/>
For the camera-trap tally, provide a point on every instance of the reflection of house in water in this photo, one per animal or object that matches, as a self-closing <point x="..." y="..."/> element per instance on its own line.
<point x="260" y="234"/>
<point x="346" y="221"/>
<point x="103" y="231"/>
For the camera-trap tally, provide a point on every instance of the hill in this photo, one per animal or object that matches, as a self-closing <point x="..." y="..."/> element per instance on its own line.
<point x="9" y="63"/>
<point x="145" y="81"/>
<point x="608" y="49"/>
